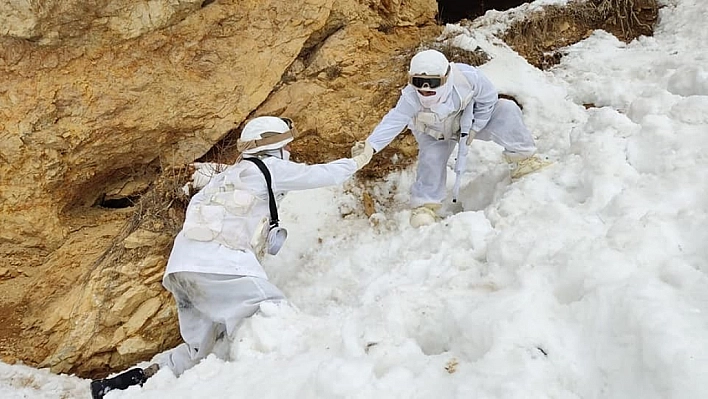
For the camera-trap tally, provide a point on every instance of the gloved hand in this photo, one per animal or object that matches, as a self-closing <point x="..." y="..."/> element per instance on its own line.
<point x="362" y="152"/>
<point x="358" y="148"/>
<point x="470" y="137"/>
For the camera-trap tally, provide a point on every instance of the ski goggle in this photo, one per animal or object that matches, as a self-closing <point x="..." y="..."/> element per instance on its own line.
<point x="432" y="82"/>
<point x="426" y="81"/>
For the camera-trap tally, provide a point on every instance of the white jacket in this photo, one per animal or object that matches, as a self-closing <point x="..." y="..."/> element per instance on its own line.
<point x="475" y="115"/>
<point x="227" y="216"/>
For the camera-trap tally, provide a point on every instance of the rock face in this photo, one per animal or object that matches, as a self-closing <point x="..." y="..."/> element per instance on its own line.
<point x="103" y="101"/>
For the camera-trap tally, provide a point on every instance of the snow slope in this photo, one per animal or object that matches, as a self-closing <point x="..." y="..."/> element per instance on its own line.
<point x="584" y="280"/>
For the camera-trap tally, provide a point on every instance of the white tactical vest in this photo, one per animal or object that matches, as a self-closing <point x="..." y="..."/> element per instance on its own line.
<point x="446" y="127"/>
<point x="223" y="211"/>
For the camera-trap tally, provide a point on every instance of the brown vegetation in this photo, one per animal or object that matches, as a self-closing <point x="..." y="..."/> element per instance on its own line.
<point x="539" y="35"/>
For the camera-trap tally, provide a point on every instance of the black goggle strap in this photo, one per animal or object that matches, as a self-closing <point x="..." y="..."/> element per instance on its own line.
<point x="271" y="198"/>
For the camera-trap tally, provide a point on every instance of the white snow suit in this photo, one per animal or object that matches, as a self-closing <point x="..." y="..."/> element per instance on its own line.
<point x="214" y="272"/>
<point x="473" y="105"/>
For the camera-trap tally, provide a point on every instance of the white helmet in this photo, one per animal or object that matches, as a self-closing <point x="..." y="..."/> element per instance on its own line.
<point x="429" y="62"/>
<point x="265" y="133"/>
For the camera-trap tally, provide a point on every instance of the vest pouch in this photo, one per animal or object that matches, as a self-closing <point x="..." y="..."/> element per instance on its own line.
<point x="204" y="222"/>
<point x="434" y="126"/>
<point x="428" y="118"/>
<point x="260" y="235"/>
<point x="236" y="202"/>
<point x="429" y="123"/>
<point x="276" y="239"/>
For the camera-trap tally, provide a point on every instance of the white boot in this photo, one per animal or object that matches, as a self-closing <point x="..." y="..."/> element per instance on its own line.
<point x="424" y="215"/>
<point x="521" y="165"/>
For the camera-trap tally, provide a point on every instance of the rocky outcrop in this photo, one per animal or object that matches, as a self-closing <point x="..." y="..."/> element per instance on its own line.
<point x="102" y="102"/>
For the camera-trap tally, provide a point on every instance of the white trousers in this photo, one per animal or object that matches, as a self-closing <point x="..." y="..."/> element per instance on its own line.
<point x="210" y="308"/>
<point x="506" y="128"/>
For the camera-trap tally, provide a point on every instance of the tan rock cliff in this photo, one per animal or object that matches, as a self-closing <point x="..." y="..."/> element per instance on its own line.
<point x="101" y="104"/>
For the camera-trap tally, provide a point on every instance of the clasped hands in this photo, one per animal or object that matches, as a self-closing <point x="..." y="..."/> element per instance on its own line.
<point x="362" y="152"/>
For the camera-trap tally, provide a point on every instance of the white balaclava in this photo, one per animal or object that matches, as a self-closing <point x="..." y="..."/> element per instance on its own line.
<point x="431" y="62"/>
<point x="281" y="153"/>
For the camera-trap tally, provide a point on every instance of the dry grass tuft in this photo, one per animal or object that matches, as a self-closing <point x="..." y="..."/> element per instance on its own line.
<point x="628" y="19"/>
<point x="386" y="27"/>
<point x="452" y="53"/>
<point x="538" y="36"/>
<point x="162" y="207"/>
<point x="456" y="54"/>
<point x="333" y="72"/>
<point x="224" y="151"/>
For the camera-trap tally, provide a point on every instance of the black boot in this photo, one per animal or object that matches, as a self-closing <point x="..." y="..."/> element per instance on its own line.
<point x="136" y="376"/>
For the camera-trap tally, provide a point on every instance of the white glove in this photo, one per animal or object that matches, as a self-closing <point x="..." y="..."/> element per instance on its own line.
<point x="362" y="153"/>
<point x="358" y="148"/>
<point x="470" y="137"/>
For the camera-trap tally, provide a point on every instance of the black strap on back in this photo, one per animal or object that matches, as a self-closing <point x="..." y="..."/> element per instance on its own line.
<point x="271" y="198"/>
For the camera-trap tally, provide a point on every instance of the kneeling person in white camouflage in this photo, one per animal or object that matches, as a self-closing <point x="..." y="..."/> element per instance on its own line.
<point x="442" y="104"/>
<point x="214" y="270"/>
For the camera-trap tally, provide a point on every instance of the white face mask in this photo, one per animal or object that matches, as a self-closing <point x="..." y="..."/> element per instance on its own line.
<point x="441" y="94"/>
<point x="281" y="153"/>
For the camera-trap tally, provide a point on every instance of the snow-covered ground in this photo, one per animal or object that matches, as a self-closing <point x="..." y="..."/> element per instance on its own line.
<point x="584" y="280"/>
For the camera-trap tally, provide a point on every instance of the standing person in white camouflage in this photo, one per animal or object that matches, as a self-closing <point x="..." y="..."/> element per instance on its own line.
<point x="445" y="103"/>
<point x="214" y="271"/>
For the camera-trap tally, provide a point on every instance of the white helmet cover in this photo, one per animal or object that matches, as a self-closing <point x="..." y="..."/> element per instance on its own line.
<point x="265" y="133"/>
<point x="429" y="62"/>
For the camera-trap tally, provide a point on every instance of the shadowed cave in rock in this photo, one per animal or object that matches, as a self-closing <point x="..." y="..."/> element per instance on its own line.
<point x="452" y="11"/>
